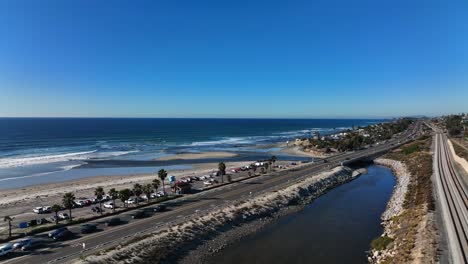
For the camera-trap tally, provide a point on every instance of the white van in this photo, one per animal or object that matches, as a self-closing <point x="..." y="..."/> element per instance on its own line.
<point x="109" y="205"/>
<point x="6" y="249"/>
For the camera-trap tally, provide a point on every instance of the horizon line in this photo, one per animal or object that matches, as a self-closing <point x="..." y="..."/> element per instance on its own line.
<point x="136" y="117"/>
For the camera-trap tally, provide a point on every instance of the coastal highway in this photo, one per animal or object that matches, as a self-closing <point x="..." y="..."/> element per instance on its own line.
<point x="180" y="209"/>
<point x="453" y="197"/>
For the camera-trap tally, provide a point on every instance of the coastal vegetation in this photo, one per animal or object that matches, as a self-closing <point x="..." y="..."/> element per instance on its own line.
<point x="455" y="124"/>
<point x="8" y="219"/>
<point x="222" y="170"/>
<point x="162" y="174"/>
<point x="410" y="234"/>
<point x="99" y="193"/>
<point x="381" y="242"/>
<point x="356" y="138"/>
<point x="56" y="208"/>
<point x="68" y="202"/>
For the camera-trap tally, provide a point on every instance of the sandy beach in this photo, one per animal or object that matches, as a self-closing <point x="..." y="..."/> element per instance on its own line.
<point x="19" y="202"/>
<point x="199" y="155"/>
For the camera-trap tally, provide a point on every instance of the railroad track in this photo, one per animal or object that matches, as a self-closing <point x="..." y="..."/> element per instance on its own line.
<point x="454" y="200"/>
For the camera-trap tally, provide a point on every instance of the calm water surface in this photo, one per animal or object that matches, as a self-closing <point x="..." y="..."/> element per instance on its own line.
<point x="335" y="228"/>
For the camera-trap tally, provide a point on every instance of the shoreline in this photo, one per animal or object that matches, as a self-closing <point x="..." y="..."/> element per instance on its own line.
<point x="395" y="204"/>
<point x="198" y="155"/>
<point x="19" y="202"/>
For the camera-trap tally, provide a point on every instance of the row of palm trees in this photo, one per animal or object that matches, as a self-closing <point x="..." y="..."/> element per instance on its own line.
<point x="124" y="194"/>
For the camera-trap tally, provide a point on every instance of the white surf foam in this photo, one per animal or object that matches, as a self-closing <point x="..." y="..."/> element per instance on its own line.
<point x="26" y="161"/>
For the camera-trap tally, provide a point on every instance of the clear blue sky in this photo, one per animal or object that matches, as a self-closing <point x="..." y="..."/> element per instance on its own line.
<point x="327" y="58"/>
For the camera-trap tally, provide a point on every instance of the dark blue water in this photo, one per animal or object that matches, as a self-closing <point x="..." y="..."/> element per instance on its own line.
<point x="31" y="148"/>
<point x="335" y="228"/>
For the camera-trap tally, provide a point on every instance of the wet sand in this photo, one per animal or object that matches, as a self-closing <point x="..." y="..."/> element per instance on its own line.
<point x="199" y="155"/>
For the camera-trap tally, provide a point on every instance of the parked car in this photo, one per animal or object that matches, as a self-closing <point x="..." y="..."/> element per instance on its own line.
<point x="32" y="244"/>
<point x="38" y="210"/>
<point x="138" y="214"/>
<point x="57" y="231"/>
<point x="6" y="250"/>
<point x="114" y="221"/>
<point x="64" y="216"/>
<point x="47" y="209"/>
<point x="88" y="228"/>
<point x="64" y="235"/>
<point x="96" y="209"/>
<point x="159" y="208"/>
<point x="54" y="218"/>
<point x="21" y="243"/>
<point x="207" y="183"/>
<point x="109" y="205"/>
<point x="185" y="179"/>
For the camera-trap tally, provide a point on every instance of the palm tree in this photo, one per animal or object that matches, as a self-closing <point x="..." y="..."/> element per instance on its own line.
<point x="67" y="201"/>
<point x="147" y="189"/>
<point x="273" y="159"/>
<point x="156" y="183"/>
<point x="56" y="208"/>
<point x="99" y="192"/>
<point x="137" y="191"/>
<point x="222" y="169"/>
<point x="8" y="219"/>
<point x="162" y="174"/>
<point x="124" y="195"/>
<point x="114" y="194"/>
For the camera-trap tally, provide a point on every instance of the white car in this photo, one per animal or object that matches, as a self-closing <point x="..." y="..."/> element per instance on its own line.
<point x="207" y="182"/>
<point x="6" y="249"/>
<point x="109" y="205"/>
<point x="131" y="201"/>
<point x="38" y="210"/>
<point x="63" y="216"/>
<point x="47" y="209"/>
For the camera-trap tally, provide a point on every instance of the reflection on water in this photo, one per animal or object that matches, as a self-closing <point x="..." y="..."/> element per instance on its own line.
<point x="335" y="228"/>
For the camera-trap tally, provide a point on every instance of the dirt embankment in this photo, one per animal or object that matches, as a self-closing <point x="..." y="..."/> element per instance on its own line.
<point x="171" y="244"/>
<point x="410" y="234"/>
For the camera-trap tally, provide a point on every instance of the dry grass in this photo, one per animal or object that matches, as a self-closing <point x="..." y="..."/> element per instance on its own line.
<point x="413" y="231"/>
<point x="460" y="151"/>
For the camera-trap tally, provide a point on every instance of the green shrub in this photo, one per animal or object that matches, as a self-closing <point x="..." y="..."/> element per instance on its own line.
<point x="381" y="242"/>
<point x="411" y="149"/>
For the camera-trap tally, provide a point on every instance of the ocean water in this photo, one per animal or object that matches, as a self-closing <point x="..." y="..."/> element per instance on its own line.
<point x="38" y="150"/>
